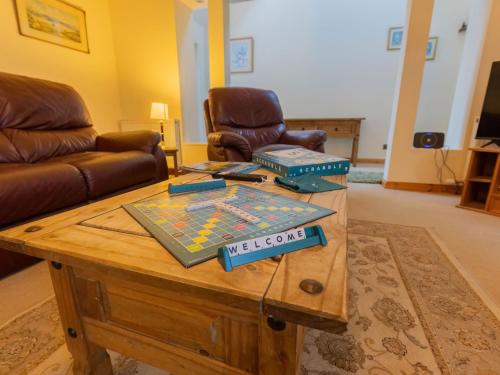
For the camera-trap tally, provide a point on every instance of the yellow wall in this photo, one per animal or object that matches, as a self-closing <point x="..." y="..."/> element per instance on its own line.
<point x="194" y="152"/>
<point x="146" y="52"/>
<point x="218" y="41"/>
<point x="92" y="75"/>
<point x="404" y="163"/>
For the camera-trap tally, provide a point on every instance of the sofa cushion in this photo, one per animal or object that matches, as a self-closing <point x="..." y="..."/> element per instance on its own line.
<point x="38" y="145"/>
<point x="108" y="172"/>
<point x="27" y="190"/>
<point x="30" y="103"/>
<point x="78" y="157"/>
<point x="8" y="153"/>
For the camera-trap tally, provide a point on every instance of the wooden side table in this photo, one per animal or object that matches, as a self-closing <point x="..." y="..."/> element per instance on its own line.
<point x="172" y="151"/>
<point x="335" y="127"/>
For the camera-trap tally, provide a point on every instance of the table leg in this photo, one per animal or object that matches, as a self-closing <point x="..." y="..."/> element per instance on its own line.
<point x="88" y="359"/>
<point x="354" y="154"/>
<point x="280" y="347"/>
<point x="176" y="168"/>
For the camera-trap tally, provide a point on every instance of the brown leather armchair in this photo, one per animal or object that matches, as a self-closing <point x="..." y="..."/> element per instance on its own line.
<point x="242" y="120"/>
<point x="51" y="158"/>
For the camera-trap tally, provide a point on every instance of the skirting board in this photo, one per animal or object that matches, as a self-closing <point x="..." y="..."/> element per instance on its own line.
<point x="416" y="186"/>
<point x="371" y="161"/>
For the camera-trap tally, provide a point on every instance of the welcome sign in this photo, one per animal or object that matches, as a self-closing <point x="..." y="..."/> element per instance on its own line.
<point x="265" y="242"/>
<point x="254" y="249"/>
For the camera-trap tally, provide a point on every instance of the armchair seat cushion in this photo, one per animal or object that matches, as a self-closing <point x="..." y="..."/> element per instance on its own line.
<point x="28" y="190"/>
<point x="108" y="172"/>
<point x="310" y="139"/>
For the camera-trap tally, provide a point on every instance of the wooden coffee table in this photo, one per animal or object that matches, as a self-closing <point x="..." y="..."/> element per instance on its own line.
<point x="117" y="288"/>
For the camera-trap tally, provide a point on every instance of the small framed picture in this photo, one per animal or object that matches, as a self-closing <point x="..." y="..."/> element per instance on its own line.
<point x="241" y="55"/>
<point x="395" y="38"/>
<point x="53" y="21"/>
<point x="430" y="51"/>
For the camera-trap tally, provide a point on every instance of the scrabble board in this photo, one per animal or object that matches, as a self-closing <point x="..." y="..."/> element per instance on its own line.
<point x="194" y="233"/>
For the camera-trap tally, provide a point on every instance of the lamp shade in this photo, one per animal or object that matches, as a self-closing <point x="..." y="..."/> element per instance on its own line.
<point x="159" y="111"/>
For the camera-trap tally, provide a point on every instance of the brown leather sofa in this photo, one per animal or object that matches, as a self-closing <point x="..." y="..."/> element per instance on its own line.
<point x="51" y="158"/>
<point x="242" y="120"/>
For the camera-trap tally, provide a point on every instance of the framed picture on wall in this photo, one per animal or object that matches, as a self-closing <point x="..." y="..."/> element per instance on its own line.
<point x="53" y="21"/>
<point x="430" y="51"/>
<point x="241" y="52"/>
<point x="395" y="38"/>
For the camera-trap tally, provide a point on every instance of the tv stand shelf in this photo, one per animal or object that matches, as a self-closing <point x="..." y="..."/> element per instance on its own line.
<point x="482" y="184"/>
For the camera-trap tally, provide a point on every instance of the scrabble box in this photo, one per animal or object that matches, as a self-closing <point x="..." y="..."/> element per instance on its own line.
<point x="299" y="161"/>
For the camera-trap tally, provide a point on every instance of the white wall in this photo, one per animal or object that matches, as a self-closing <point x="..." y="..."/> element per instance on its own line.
<point x="441" y="74"/>
<point x="192" y="42"/>
<point x="326" y="59"/>
<point x="467" y="75"/>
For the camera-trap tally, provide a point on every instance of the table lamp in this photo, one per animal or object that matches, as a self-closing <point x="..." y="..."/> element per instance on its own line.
<point x="159" y="111"/>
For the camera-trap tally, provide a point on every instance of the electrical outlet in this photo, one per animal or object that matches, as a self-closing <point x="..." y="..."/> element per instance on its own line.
<point x="450" y="181"/>
<point x="384" y="146"/>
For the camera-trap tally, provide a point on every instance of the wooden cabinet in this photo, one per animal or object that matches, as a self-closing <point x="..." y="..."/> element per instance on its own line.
<point x="334" y="127"/>
<point x="482" y="183"/>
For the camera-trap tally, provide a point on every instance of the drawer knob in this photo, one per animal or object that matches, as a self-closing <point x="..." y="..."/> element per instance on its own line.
<point x="336" y="129"/>
<point x="72" y="333"/>
<point x="276" y="324"/>
<point x="34" y="228"/>
<point x="311" y="286"/>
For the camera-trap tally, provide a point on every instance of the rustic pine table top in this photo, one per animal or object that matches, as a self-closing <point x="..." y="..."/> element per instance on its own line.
<point x="101" y="236"/>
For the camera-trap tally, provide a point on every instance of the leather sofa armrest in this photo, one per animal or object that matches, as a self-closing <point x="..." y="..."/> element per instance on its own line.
<point x="232" y="140"/>
<point x="310" y="139"/>
<point x="141" y="140"/>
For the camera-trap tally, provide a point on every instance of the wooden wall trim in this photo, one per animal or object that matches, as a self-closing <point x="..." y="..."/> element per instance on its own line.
<point x="422" y="187"/>
<point x="371" y="161"/>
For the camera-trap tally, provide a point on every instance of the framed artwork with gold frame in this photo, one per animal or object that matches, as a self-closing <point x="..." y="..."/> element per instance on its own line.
<point x="241" y="55"/>
<point x="53" y="21"/>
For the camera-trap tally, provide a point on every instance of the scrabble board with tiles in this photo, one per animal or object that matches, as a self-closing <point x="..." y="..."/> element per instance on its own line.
<point x="194" y="226"/>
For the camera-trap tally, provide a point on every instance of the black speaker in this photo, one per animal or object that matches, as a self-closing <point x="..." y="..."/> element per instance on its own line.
<point x="428" y="140"/>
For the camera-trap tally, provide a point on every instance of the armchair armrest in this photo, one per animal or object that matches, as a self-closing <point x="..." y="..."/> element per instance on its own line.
<point x="141" y="140"/>
<point x="310" y="139"/>
<point x="233" y="140"/>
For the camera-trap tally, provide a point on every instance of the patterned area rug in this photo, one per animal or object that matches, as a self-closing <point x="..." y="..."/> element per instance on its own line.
<point x="411" y="312"/>
<point x="365" y="175"/>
